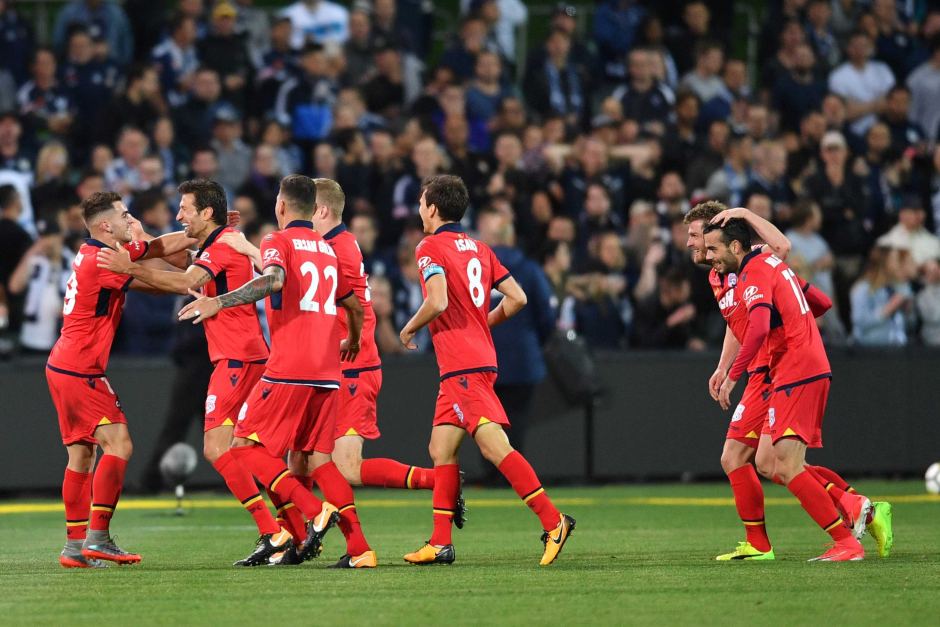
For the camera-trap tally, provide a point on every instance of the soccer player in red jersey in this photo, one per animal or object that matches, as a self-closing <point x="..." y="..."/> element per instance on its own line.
<point x="291" y="407"/>
<point x="778" y="312"/>
<point x="89" y="411"/>
<point x="457" y="274"/>
<point x="236" y="345"/>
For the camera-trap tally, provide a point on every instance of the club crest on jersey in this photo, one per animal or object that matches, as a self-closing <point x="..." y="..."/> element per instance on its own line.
<point x="459" y="412"/>
<point x="352" y="388"/>
<point x="732" y="279"/>
<point x="210" y="403"/>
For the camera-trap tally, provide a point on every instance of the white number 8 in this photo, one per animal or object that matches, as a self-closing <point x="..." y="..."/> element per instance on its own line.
<point x="71" y="289"/>
<point x="475" y="274"/>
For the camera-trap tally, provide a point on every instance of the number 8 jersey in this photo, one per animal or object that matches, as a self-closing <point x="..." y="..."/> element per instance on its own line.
<point x="305" y="332"/>
<point x="462" y="339"/>
<point x="796" y="349"/>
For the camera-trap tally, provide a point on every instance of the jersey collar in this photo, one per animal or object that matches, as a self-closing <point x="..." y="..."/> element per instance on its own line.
<point x="93" y="242"/>
<point x="450" y="227"/>
<point x="747" y="258"/>
<point x="340" y="228"/>
<point x="210" y="240"/>
<point x="299" y="224"/>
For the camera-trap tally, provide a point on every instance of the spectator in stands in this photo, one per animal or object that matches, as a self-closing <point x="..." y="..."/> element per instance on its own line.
<point x="893" y="45"/>
<point x="384" y="92"/>
<point x="318" y="21"/>
<point x="151" y="208"/>
<point x="486" y="90"/>
<point x="704" y="79"/>
<point x="556" y="264"/>
<point x="14" y="242"/>
<point x="13" y="155"/>
<point x="205" y="165"/>
<point x="171" y="152"/>
<point x="909" y="233"/>
<point x="710" y="157"/>
<point x="16" y="42"/>
<point x="862" y="82"/>
<point x="233" y="155"/>
<point x="557" y="87"/>
<point x="683" y="38"/>
<point x="426" y="161"/>
<point x="593" y="165"/>
<point x="664" y="319"/>
<point x="45" y="106"/>
<point x="89" y="81"/>
<point x="799" y="89"/>
<point x="193" y="120"/>
<point x="253" y="25"/>
<point x="263" y="182"/>
<point x="104" y="20"/>
<point x="460" y="55"/>
<point x="386" y="329"/>
<point x="768" y="177"/>
<point x="140" y="104"/>
<point x="924" y="83"/>
<point x="928" y="303"/>
<point x="305" y="102"/>
<point x="791" y="37"/>
<point x="605" y="315"/>
<point x="123" y="175"/>
<point x="176" y="59"/>
<point x="50" y="187"/>
<point x="226" y="52"/>
<point x="358" y="49"/>
<point x="616" y="28"/>
<point x="644" y="98"/>
<point x="820" y="35"/>
<point x="881" y="301"/>
<point x="905" y="133"/>
<point x="730" y="181"/>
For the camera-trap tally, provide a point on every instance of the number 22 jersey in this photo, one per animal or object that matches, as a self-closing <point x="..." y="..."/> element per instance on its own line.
<point x="461" y="336"/>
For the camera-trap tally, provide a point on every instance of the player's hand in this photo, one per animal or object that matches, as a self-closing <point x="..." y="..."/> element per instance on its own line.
<point x="234" y="218"/>
<point x="239" y="242"/>
<point x="715" y="381"/>
<point x="406" y="338"/>
<point x="200" y="309"/>
<point x="137" y="229"/>
<point x="347" y="351"/>
<point x="115" y="260"/>
<point x="724" y="393"/>
<point x="729" y="214"/>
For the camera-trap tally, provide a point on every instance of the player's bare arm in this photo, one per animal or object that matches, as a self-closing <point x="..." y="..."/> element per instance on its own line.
<point x="205" y="307"/>
<point x="758" y="326"/>
<point x="729" y="350"/>
<point x="514" y="299"/>
<point x="355" y="315"/>
<point x="242" y="246"/>
<point x="163" y="280"/>
<point x="774" y="240"/>
<point x="433" y="306"/>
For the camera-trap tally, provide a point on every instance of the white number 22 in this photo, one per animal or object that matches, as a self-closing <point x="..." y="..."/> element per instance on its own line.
<point x="307" y="303"/>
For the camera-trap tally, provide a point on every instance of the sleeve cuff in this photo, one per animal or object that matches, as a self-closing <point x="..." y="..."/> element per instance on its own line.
<point x="345" y="296"/>
<point x="127" y="284"/>
<point x="203" y="266"/>
<point x="501" y="279"/>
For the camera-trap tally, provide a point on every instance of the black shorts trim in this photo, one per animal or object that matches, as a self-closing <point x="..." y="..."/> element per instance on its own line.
<point x="237" y="363"/>
<point x="354" y="372"/>
<point x="789" y="386"/>
<point x="322" y="383"/>
<point x="75" y="374"/>
<point x="455" y="373"/>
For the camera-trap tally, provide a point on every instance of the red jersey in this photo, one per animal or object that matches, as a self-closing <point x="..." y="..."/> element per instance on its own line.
<point x="305" y="333"/>
<point x="735" y="314"/>
<point x="350" y="263"/>
<point x="235" y="333"/>
<point x="794" y="344"/>
<point x="91" y="311"/>
<point x="462" y="339"/>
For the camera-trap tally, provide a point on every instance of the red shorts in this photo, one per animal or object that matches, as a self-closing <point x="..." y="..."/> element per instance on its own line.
<point x="285" y="417"/>
<point x="468" y="401"/>
<point x="229" y="387"/>
<point x="355" y="404"/>
<point x="750" y="416"/>
<point x="797" y="411"/>
<point x="83" y="404"/>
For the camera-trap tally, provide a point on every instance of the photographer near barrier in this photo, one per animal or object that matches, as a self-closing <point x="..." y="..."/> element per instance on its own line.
<point x="653" y="420"/>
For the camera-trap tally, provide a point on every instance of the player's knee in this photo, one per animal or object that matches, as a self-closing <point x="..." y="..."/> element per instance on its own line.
<point x="441" y="455"/>
<point x="348" y="466"/>
<point x="730" y="461"/>
<point x="119" y="447"/>
<point x="211" y="452"/>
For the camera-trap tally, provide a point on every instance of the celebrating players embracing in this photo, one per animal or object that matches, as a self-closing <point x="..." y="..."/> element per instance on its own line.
<point x="457" y="275"/>
<point x="291" y="407"/>
<point x="89" y="411"/>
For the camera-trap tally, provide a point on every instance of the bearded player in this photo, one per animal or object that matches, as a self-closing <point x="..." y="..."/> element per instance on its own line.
<point x="747" y="440"/>
<point x="236" y="345"/>
<point x="457" y="275"/>
<point x="291" y="407"/>
<point x="88" y="409"/>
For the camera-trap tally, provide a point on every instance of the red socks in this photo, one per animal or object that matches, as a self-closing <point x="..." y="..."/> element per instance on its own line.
<point x="831" y="476"/>
<point x="818" y="505"/>
<point x="107" y="485"/>
<point x="289" y="517"/>
<point x="388" y="473"/>
<point x="243" y="487"/>
<point x="444" y="499"/>
<point x="337" y="491"/>
<point x="272" y="472"/>
<point x="76" y="494"/>
<point x="749" y="499"/>
<point x="526" y="484"/>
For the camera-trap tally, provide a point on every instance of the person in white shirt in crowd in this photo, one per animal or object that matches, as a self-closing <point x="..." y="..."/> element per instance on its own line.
<point x="319" y="21"/>
<point x="512" y="14"/>
<point x="924" y="83"/>
<point x="928" y="303"/>
<point x="862" y="82"/>
<point x="911" y="234"/>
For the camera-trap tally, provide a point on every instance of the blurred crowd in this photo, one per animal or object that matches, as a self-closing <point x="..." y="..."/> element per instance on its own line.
<point x="581" y="154"/>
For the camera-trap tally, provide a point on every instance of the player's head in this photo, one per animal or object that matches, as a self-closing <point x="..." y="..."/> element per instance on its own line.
<point x="727" y="245"/>
<point x="444" y="198"/>
<point x="203" y="207"/>
<point x="296" y="199"/>
<point x="106" y="216"/>
<point x="697" y="219"/>
<point x="329" y="204"/>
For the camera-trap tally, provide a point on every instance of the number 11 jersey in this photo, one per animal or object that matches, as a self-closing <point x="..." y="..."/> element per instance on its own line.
<point x="462" y="339"/>
<point x="305" y="332"/>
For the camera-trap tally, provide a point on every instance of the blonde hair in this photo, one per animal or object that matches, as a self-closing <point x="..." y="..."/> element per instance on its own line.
<point x="330" y="194"/>
<point x="47" y="154"/>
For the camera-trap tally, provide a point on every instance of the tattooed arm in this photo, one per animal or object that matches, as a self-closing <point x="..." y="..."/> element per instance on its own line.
<point x="204" y="307"/>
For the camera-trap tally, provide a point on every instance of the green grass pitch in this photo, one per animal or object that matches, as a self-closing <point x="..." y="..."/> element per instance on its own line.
<point x="640" y="555"/>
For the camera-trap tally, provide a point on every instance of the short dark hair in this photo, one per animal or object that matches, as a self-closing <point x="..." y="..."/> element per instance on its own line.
<point x="704" y="211"/>
<point x="138" y="71"/>
<point x="734" y="229"/>
<point x="146" y="200"/>
<point x="97" y="204"/>
<point x="449" y="194"/>
<point x="301" y="192"/>
<point x="207" y="193"/>
<point x="8" y="194"/>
